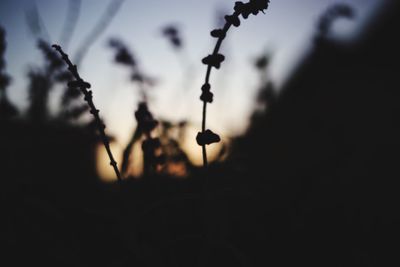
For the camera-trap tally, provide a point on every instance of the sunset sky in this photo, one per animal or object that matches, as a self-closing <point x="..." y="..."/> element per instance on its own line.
<point x="284" y="31"/>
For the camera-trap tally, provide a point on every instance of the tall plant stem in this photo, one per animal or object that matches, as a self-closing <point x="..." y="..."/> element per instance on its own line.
<point x="88" y="96"/>
<point x="203" y="129"/>
<point x="207" y="81"/>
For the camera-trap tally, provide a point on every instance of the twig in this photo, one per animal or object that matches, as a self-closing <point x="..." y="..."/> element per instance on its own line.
<point x="84" y="86"/>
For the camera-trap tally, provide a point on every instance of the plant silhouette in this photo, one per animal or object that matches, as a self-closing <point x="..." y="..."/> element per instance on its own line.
<point x="83" y="86"/>
<point x="7" y="109"/>
<point x="145" y="120"/>
<point x="206" y="136"/>
<point x="172" y="33"/>
<point x="313" y="180"/>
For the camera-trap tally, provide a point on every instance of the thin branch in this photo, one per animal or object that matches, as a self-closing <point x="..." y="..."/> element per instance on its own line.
<point x="84" y="86"/>
<point x="207" y="79"/>
<point x="206" y="137"/>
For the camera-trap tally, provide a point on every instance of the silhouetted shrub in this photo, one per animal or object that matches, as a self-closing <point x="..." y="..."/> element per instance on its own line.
<point x="7" y="109"/>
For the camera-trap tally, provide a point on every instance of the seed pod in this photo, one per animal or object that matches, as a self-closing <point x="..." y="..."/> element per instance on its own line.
<point x="207" y="138"/>
<point x="234" y="20"/>
<point x="218" y="33"/>
<point x="79" y="84"/>
<point x="214" y="60"/>
<point x="207" y="96"/>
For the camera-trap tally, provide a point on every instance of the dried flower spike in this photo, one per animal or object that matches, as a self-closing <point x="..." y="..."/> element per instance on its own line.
<point x="88" y="96"/>
<point x="146" y="124"/>
<point x="78" y="84"/>
<point x="206" y="137"/>
<point x="145" y="119"/>
<point x="252" y="7"/>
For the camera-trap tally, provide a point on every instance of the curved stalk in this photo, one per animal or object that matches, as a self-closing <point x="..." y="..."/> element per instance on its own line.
<point x="84" y="86"/>
<point x="207" y="137"/>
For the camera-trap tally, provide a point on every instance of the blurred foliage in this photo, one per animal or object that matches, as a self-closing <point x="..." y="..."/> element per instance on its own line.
<point x="313" y="181"/>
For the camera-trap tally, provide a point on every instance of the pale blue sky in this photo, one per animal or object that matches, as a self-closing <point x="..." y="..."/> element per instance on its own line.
<point x="285" y="30"/>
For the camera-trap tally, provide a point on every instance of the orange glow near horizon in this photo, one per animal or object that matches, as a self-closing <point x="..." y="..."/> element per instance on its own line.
<point x="103" y="167"/>
<point x="193" y="151"/>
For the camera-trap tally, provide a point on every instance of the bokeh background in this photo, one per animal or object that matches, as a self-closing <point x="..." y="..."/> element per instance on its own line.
<point x="84" y="28"/>
<point x="306" y="104"/>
